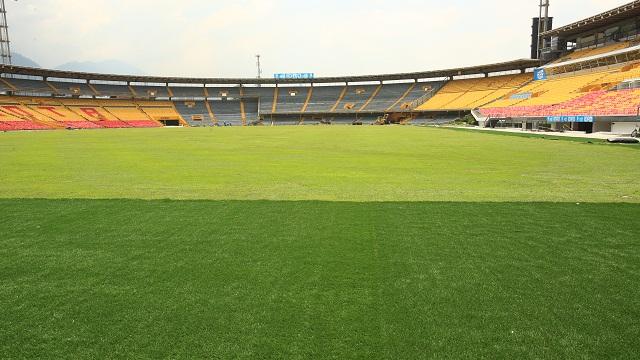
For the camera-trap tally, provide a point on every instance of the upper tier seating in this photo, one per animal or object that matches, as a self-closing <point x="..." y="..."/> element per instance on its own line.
<point x="224" y="92"/>
<point x="72" y="88"/>
<point x="187" y="92"/>
<point x="292" y="99"/>
<point x="5" y="86"/>
<point x="388" y="95"/>
<point x="146" y="92"/>
<point x="324" y="98"/>
<point x="593" y="51"/>
<point x="356" y="97"/>
<point x="466" y="94"/>
<point x="28" y="86"/>
<point x="121" y="91"/>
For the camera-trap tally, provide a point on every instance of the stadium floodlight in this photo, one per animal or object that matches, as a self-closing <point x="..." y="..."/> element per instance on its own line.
<point x="5" y="44"/>
<point x="259" y="66"/>
<point x="543" y="24"/>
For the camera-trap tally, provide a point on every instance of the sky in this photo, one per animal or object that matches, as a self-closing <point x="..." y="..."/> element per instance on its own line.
<point x="215" y="38"/>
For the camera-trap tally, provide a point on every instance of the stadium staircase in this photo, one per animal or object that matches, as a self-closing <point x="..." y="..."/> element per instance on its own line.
<point x="243" y="113"/>
<point x="340" y="98"/>
<point x="307" y="100"/>
<point x="402" y="97"/>
<point x="423" y="99"/>
<point x="373" y="96"/>
<point x="276" y="93"/>
<point x="211" y="114"/>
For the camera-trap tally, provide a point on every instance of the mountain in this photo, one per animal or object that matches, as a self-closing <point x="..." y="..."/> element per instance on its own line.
<point x="21" y="60"/>
<point x="104" y="67"/>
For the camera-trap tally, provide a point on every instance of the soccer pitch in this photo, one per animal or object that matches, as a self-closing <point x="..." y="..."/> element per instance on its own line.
<point x="317" y="242"/>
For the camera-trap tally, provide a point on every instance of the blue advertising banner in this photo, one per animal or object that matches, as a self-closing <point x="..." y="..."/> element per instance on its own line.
<point x="289" y="76"/>
<point x="539" y="74"/>
<point x="521" y="96"/>
<point x="576" y="119"/>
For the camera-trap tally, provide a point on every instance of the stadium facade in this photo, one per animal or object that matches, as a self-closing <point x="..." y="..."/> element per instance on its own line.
<point x="587" y="79"/>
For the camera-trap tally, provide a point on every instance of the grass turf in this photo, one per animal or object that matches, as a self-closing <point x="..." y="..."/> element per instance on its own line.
<point x="311" y="279"/>
<point x="313" y="163"/>
<point x="261" y="279"/>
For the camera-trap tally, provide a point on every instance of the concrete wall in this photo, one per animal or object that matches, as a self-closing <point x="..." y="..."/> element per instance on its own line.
<point x="624" y="128"/>
<point x="601" y="127"/>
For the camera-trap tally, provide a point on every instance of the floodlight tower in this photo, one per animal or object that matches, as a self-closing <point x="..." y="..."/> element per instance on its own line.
<point x="543" y="24"/>
<point x="259" y="66"/>
<point x="5" y="44"/>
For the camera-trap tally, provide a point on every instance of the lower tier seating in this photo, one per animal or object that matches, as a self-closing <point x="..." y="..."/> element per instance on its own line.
<point x="143" y="123"/>
<point x="22" y="125"/>
<point x="81" y="124"/>
<point x="596" y="103"/>
<point x="466" y="94"/>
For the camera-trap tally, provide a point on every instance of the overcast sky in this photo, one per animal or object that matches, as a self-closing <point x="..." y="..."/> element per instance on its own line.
<point x="327" y="37"/>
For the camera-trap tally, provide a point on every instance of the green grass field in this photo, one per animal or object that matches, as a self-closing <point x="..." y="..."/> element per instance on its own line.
<point x="317" y="242"/>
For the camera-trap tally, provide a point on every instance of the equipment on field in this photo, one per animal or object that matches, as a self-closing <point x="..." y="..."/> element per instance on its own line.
<point x="623" y="140"/>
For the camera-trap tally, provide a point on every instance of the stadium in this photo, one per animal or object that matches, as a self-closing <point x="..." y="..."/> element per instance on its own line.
<point x="472" y="212"/>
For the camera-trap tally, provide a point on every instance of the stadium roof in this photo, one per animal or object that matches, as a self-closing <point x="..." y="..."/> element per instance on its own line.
<point x="613" y="16"/>
<point x="522" y="64"/>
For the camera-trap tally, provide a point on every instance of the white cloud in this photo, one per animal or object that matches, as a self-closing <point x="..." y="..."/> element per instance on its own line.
<point x="328" y="37"/>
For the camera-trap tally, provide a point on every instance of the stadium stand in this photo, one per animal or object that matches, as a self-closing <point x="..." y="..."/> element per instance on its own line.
<point x="264" y="94"/>
<point x="292" y="99"/>
<point x="64" y="88"/>
<point x="596" y="103"/>
<point x="227" y="111"/>
<point x="195" y="113"/>
<point x="355" y="97"/>
<point x="471" y="93"/>
<point x="16" y="116"/>
<point x="564" y="95"/>
<point x="414" y="93"/>
<point x="250" y="110"/>
<point x="132" y="116"/>
<point x="594" y="51"/>
<point x="28" y="86"/>
<point x="61" y="114"/>
<point x="184" y="92"/>
<point x="387" y="96"/>
<point x="215" y="92"/>
<point x="324" y="98"/>
<point x="163" y="112"/>
<point x="5" y="86"/>
<point x="117" y="91"/>
<point x="146" y="92"/>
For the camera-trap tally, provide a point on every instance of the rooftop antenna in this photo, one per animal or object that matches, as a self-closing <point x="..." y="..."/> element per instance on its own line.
<point x="5" y="48"/>
<point x="259" y="67"/>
